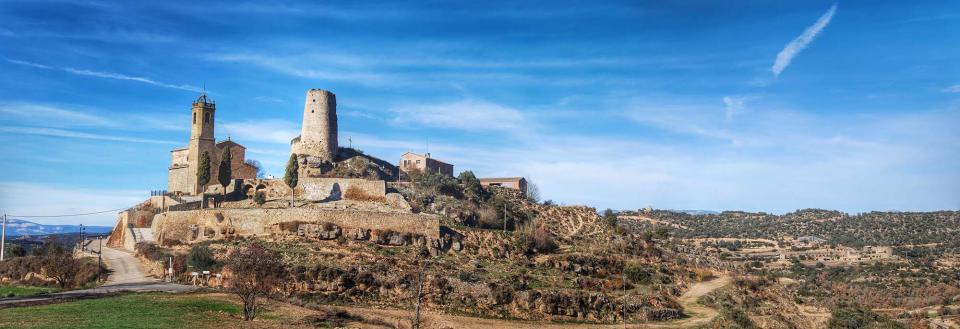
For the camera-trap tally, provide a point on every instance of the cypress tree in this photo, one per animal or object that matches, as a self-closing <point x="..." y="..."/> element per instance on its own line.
<point x="291" y="175"/>
<point x="223" y="176"/>
<point x="203" y="172"/>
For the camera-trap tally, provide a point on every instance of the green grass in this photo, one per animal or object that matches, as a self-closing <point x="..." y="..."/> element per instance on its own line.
<point x="9" y="290"/>
<point x="154" y="310"/>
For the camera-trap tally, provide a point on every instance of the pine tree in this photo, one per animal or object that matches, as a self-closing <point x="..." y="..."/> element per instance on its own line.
<point x="291" y="176"/>
<point x="203" y="172"/>
<point x="223" y="176"/>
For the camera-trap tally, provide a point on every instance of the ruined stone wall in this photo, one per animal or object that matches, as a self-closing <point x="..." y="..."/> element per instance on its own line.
<point x="209" y="224"/>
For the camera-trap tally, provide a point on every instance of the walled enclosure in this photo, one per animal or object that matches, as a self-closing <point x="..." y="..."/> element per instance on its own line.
<point x="179" y="225"/>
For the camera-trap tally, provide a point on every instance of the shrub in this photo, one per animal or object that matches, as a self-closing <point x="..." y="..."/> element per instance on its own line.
<point x="639" y="274"/>
<point x="200" y="257"/>
<point x="150" y="251"/>
<point x="259" y="198"/>
<point x="543" y="241"/>
<point x="487" y="218"/>
<point x="471" y="185"/>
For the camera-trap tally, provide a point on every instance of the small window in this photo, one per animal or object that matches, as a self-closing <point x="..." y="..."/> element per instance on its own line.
<point x="418" y="161"/>
<point x="206" y="117"/>
<point x="194" y="118"/>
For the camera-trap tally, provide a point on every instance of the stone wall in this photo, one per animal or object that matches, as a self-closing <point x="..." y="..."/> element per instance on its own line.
<point x="178" y="180"/>
<point x="209" y="224"/>
<point x="331" y="189"/>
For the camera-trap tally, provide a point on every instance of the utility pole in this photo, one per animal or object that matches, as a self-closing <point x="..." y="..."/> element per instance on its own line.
<point x="416" y="320"/>
<point x="100" y="257"/>
<point x="3" y="236"/>
<point x="81" y="237"/>
<point x="504" y="217"/>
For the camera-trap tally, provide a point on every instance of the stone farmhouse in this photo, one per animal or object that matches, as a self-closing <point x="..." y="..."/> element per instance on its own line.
<point x="412" y="161"/>
<point x="182" y="173"/>
<point x="517" y="183"/>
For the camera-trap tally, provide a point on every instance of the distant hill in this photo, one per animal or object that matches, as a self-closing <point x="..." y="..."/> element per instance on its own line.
<point x="696" y="212"/>
<point x="19" y="227"/>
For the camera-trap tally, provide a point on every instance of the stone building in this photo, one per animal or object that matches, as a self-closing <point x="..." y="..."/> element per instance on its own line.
<point x="517" y="183"/>
<point x="182" y="173"/>
<point x="412" y="161"/>
<point x="317" y="142"/>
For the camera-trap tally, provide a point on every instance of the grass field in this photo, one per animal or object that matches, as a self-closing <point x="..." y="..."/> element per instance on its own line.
<point x="151" y="310"/>
<point x="9" y="290"/>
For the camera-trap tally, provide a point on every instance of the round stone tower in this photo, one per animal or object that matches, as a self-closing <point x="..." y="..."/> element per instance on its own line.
<point x="318" y="135"/>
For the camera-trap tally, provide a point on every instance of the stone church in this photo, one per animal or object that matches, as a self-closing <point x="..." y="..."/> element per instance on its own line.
<point x="182" y="174"/>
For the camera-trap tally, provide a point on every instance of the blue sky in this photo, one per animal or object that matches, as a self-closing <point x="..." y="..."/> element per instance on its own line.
<point x="755" y="105"/>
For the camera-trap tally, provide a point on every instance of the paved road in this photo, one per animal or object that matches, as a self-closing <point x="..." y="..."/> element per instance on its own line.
<point x="128" y="275"/>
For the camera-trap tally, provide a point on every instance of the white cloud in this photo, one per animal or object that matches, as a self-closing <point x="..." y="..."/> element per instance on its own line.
<point x="106" y="75"/>
<point x="952" y="89"/>
<point x="31" y="112"/>
<point x="794" y="47"/>
<point x="735" y="105"/>
<point x="22" y="198"/>
<point x="261" y="131"/>
<point x="54" y="132"/>
<point x="469" y="114"/>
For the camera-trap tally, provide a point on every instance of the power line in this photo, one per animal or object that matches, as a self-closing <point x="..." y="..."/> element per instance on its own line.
<point x="68" y="215"/>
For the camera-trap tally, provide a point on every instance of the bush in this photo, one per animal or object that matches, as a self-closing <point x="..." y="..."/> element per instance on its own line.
<point x="487" y="218"/>
<point x="150" y="251"/>
<point x="543" y="241"/>
<point x="471" y="186"/>
<point x="845" y="317"/>
<point x="259" y="198"/>
<point x="201" y="258"/>
<point x="639" y="274"/>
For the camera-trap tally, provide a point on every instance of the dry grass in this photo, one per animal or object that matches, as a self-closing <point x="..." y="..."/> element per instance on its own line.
<point x="357" y="194"/>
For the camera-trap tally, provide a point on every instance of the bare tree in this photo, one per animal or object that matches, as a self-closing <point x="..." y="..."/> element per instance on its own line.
<point x="255" y="271"/>
<point x="533" y="192"/>
<point x="63" y="268"/>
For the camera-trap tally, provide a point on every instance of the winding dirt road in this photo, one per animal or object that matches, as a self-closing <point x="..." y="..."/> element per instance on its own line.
<point x="127" y="275"/>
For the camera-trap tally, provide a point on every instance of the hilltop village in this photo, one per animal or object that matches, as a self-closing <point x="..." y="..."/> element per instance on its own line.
<point x="365" y="242"/>
<point x="358" y="230"/>
<point x="336" y="185"/>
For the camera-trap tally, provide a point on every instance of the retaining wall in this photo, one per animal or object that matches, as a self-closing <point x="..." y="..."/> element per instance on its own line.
<point x="221" y="222"/>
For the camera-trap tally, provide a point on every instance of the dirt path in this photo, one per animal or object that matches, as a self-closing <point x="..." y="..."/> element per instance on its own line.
<point x="128" y="275"/>
<point x="699" y="315"/>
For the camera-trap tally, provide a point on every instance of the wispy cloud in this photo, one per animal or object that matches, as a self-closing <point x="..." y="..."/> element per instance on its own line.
<point x="952" y="89"/>
<point x="468" y="114"/>
<point x="262" y="131"/>
<point x="25" y="198"/>
<point x="105" y="75"/>
<point x="794" y="47"/>
<point x="54" y="132"/>
<point x="735" y="105"/>
<point x="73" y="116"/>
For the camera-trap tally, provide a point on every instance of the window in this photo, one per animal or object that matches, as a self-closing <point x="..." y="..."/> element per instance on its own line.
<point x="194" y="117"/>
<point x="206" y="117"/>
<point x="418" y="161"/>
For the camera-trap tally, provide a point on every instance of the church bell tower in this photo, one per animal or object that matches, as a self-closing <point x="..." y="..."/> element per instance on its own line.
<point x="202" y="138"/>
